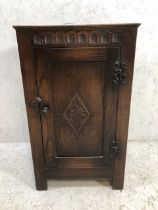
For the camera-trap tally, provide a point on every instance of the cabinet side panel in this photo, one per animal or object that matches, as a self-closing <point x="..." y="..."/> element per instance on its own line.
<point x="127" y="57"/>
<point x="30" y="91"/>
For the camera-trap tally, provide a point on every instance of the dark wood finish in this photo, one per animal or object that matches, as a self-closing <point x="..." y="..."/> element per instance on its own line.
<point x="30" y="90"/>
<point x="77" y="92"/>
<point x="127" y="56"/>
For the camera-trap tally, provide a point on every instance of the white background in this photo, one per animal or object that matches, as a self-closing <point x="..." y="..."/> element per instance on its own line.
<point x="144" y="107"/>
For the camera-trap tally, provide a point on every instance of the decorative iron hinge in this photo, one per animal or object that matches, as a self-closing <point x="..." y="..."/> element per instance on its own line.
<point x="114" y="149"/>
<point x="119" y="74"/>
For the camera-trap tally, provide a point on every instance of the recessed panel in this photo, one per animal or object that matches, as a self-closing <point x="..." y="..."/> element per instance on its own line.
<point x="77" y="91"/>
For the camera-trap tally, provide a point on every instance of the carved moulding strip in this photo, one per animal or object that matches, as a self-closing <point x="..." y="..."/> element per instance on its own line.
<point x="76" y="38"/>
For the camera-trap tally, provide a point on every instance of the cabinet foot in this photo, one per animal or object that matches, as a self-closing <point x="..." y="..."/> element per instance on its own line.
<point x="42" y="185"/>
<point x="117" y="184"/>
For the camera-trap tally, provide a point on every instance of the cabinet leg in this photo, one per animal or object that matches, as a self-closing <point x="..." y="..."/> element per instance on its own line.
<point x="41" y="184"/>
<point x="117" y="184"/>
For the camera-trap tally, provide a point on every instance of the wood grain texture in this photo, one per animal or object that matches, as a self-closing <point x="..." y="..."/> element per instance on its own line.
<point x="110" y="104"/>
<point x="76" y="173"/>
<point x="77" y="101"/>
<point x="127" y="57"/>
<point x="46" y="118"/>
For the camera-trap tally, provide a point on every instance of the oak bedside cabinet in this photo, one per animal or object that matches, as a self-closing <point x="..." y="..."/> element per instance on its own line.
<point x="77" y="83"/>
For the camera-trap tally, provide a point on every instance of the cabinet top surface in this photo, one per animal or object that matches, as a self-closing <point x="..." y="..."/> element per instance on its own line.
<point x="49" y="27"/>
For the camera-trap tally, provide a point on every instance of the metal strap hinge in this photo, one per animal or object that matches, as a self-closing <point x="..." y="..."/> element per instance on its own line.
<point x="119" y="72"/>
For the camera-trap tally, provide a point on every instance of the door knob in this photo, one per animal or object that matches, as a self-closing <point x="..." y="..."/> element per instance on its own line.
<point x="44" y="109"/>
<point x="36" y="101"/>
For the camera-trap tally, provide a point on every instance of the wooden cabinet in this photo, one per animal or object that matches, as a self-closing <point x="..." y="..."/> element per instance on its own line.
<point x="77" y="84"/>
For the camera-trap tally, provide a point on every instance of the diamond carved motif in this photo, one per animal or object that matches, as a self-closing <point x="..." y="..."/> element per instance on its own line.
<point x="76" y="113"/>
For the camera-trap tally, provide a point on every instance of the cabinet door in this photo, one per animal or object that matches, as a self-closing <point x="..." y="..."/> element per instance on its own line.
<point x="79" y="105"/>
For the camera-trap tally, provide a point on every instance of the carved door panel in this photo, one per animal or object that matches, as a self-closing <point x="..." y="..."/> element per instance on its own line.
<point x="78" y="108"/>
<point x="79" y="105"/>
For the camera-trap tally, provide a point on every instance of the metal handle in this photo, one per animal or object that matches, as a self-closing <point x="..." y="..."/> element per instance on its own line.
<point x="36" y="101"/>
<point x="119" y="74"/>
<point x="44" y="109"/>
